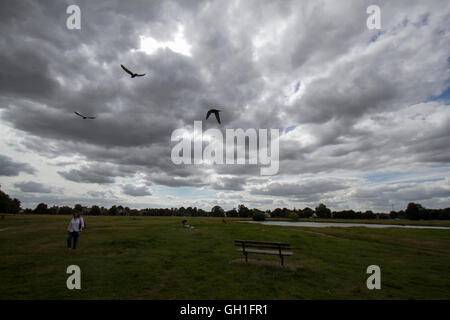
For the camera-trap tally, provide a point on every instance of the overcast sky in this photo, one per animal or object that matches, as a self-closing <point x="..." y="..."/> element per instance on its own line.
<point x="364" y="115"/>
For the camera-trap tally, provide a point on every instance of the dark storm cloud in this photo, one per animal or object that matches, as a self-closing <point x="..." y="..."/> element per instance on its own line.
<point x="10" y="168"/>
<point x="352" y="111"/>
<point x="25" y="73"/>
<point x="32" y="187"/>
<point x="147" y="111"/>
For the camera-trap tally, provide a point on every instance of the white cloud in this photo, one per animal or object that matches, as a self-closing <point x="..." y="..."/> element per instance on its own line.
<point x="179" y="44"/>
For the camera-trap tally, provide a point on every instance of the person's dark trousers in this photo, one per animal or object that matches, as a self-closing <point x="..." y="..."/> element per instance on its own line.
<point x="73" y="235"/>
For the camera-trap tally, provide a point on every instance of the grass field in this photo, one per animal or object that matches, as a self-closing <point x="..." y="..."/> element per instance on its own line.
<point x="155" y="258"/>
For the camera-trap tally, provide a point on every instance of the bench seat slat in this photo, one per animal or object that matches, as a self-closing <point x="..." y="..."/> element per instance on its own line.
<point x="281" y="244"/>
<point x="264" y="246"/>
<point x="284" y="253"/>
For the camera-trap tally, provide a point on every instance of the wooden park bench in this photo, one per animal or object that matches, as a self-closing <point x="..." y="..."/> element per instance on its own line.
<point x="263" y="247"/>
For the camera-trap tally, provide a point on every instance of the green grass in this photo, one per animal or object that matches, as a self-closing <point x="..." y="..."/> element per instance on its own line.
<point x="442" y="223"/>
<point x="155" y="258"/>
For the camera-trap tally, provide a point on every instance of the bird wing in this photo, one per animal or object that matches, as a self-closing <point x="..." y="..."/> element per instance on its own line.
<point x="208" y="114"/>
<point x="217" y="116"/>
<point x="90" y="117"/>
<point x="140" y="75"/>
<point x="126" y="70"/>
<point x="78" y="114"/>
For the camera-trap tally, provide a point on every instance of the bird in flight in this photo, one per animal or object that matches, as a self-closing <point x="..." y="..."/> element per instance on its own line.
<point x="216" y="113"/>
<point x="133" y="75"/>
<point x="84" y="117"/>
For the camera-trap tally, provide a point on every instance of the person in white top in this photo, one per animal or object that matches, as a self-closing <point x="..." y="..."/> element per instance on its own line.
<point x="76" y="225"/>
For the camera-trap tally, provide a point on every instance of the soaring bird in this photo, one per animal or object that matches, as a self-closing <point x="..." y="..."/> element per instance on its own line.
<point x="84" y="117"/>
<point x="216" y="113"/>
<point x="133" y="75"/>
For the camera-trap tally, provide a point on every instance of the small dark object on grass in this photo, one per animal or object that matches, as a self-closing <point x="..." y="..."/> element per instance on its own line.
<point x="185" y="225"/>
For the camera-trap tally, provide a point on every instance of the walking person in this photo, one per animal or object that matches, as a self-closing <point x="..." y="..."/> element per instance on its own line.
<point x="76" y="225"/>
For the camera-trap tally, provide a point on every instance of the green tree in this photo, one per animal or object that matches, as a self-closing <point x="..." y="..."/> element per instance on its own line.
<point x="414" y="211"/>
<point x="322" y="211"/>
<point x="307" y="212"/>
<point x="95" y="210"/>
<point x="113" y="211"/>
<point x="232" y="213"/>
<point x="53" y="210"/>
<point x="217" y="211"/>
<point x="8" y="205"/>
<point x="66" y="210"/>
<point x="243" y="211"/>
<point x="15" y="206"/>
<point x="41" y="208"/>
<point x="259" y="216"/>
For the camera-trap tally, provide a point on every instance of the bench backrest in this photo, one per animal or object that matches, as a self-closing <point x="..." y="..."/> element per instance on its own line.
<point x="261" y="244"/>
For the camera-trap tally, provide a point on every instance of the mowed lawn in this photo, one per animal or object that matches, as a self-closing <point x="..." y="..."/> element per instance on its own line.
<point x="156" y="258"/>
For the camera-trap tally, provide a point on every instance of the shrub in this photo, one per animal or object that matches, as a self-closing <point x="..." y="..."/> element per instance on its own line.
<point x="293" y="216"/>
<point x="307" y="212"/>
<point x="259" y="216"/>
<point x="232" y="213"/>
<point x="394" y="214"/>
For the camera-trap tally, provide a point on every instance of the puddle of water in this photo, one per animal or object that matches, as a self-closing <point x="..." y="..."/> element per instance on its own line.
<point x="341" y="225"/>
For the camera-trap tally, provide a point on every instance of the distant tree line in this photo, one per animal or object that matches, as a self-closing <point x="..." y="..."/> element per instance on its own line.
<point x="413" y="211"/>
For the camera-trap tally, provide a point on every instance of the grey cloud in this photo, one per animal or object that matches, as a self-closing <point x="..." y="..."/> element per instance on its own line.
<point x="101" y="194"/>
<point x="10" y="168"/>
<point x="169" y="181"/>
<point x="226" y="183"/>
<point x="401" y="194"/>
<point x="32" y="187"/>
<point x="96" y="173"/>
<point x="136" y="191"/>
<point x="303" y="190"/>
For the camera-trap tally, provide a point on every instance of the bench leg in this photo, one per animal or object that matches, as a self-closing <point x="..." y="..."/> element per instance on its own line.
<point x="246" y="257"/>
<point x="282" y="260"/>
